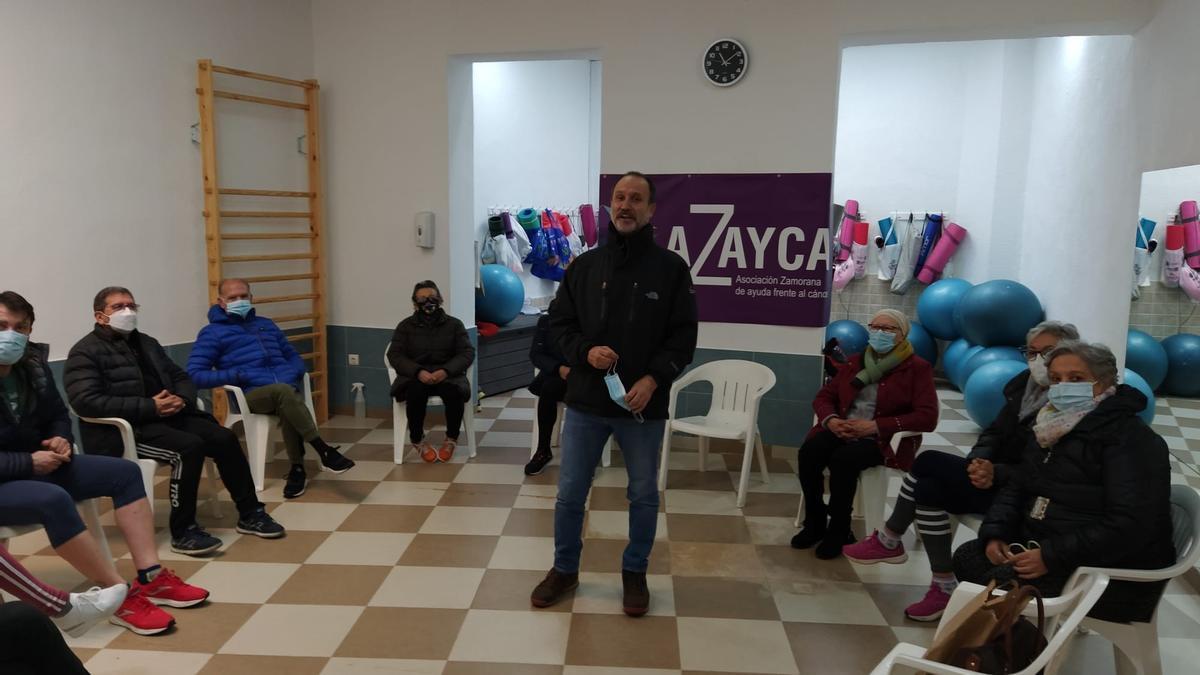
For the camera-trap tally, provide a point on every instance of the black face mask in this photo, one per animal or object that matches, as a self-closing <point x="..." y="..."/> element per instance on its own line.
<point x="430" y="306"/>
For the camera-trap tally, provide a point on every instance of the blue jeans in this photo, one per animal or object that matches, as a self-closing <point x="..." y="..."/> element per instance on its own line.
<point x="583" y="440"/>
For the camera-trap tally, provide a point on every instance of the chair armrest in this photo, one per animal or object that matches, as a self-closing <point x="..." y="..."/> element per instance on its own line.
<point x="901" y="435"/>
<point x="126" y="430"/>
<point x="239" y="397"/>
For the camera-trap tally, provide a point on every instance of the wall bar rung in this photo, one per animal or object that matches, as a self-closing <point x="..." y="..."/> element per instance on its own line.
<point x="310" y="356"/>
<point x="276" y="277"/>
<point x="259" y="76"/>
<point x="279" y="103"/>
<point x="268" y="235"/>
<point x="298" y="337"/>
<point x="266" y="214"/>
<point x="263" y="193"/>
<point x="288" y="318"/>
<point x="265" y="258"/>
<point x="284" y="298"/>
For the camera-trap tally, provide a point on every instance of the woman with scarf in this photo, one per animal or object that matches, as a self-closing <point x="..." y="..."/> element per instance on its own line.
<point x="431" y="352"/>
<point x="885" y="390"/>
<point x="941" y="483"/>
<point x="1093" y="489"/>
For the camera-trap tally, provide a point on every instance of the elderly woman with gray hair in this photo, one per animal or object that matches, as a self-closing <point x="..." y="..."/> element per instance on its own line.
<point x="941" y="483"/>
<point x="1093" y="489"/>
<point x="875" y="395"/>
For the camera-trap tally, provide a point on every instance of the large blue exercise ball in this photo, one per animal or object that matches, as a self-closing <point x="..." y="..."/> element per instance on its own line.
<point x="1137" y="382"/>
<point x="923" y="343"/>
<point x="984" y="392"/>
<point x="1145" y="356"/>
<point x="1183" y="364"/>
<point x="935" y="308"/>
<point x="984" y="356"/>
<point x="953" y="353"/>
<point x="502" y="296"/>
<point x="997" y="313"/>
<point x="955" y="373"/>
<point x="851" y="335"/>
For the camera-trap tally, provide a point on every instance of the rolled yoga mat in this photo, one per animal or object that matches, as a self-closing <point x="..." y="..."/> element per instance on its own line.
<point x="889" y="249"/>
<point x="929" y="238"/>
<point x="529" y="219"/>
<point x="1191" y="233"/>
<point x="587" y="215"/>
<point x="846" y="231"/>
<point x="952" y="237"/>
<point x="506" y="218"/>
<point x="1173" y="257"/>
<point x="858" y="252"/>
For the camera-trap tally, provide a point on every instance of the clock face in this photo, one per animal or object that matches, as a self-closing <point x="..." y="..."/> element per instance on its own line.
<point x="725" y="62"/>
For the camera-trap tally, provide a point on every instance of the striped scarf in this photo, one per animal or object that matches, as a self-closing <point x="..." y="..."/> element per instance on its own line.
<point x="874" y="368"/>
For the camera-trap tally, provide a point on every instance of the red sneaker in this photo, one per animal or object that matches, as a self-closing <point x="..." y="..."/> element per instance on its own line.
<point x="870" y="551"/>
<point x="168" y="589"/>
<point x="931" y="607"/>
<point x="141" y="616"/>
<point x="446" y="451"/>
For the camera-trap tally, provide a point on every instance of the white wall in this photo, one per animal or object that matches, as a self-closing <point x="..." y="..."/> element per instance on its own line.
<point x="99" y="180"/>
<point x="1166" y="64"/>
<point x="532" y="141"/>
<point x="388" y="84"/>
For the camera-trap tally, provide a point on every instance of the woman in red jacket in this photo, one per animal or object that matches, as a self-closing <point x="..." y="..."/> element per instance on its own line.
<point x="885" y="390"/>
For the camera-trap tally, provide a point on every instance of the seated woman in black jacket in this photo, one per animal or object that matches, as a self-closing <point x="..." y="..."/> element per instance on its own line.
<point x="550" y="385"/>
<point x="1093" y="489"/>
<point x="431" y="353"/>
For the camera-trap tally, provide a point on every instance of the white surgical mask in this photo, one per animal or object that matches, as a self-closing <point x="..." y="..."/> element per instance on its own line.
<point x="1038" y="371"/>
<point x="123" y="321"/>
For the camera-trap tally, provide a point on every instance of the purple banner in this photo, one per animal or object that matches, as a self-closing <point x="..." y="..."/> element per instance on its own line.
<point x="757" y="244"/>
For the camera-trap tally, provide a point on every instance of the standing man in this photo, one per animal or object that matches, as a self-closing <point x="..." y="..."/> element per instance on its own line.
<point x="118" y="371"/>
<point x="625" y="318"/>
<point x="238" y="347"/>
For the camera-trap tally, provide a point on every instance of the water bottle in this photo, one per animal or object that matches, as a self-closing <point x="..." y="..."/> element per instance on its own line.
<point x="360" y="401"/>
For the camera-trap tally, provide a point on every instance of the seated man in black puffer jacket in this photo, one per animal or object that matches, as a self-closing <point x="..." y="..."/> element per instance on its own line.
<point x="1093" y="490"/>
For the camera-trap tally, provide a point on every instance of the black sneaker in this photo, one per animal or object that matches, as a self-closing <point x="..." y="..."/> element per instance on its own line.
<point x="260" y="524"/>
<point x="637" y="594"/>
<point x="808" y="537"/>
<point x="831" y="545"/>
<point x="553" y="587"/>
<point x="297" y="479"/>
<point x="538" y="462"/>
<point x="334" y="461"/>
<point x="195" y="541"/>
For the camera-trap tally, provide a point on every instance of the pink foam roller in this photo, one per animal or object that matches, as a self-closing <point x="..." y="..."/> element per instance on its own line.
<point x="1173" y="257"/>
<point x="952" y="236"/>
<point x="1191" y="233"/>
<point x="587" y="215"/>
<point x="858" y="252"/>
<point x="846" y="232"/>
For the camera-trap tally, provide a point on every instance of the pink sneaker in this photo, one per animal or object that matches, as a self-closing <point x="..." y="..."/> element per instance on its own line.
<point x="870" y="551"/>
<point x="930" y="607"/>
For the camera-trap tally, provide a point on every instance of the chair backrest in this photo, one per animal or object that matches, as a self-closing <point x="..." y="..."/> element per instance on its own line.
<point x="388" y="364"/>
<point x="1185" y="523"/>
<point x="737" y="385"/>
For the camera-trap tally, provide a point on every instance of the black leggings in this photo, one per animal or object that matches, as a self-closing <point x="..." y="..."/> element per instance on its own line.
<point x="845" y="461"/>
<point x="552" y="393"/>
<point x="971" y="564"/>
<point x="417" y="399"/>
<point x="30" y="644"/>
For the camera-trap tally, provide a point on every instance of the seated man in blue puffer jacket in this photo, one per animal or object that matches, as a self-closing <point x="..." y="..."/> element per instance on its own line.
<point x="242" y="349"/>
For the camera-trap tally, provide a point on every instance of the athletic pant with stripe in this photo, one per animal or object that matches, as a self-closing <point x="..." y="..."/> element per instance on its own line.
<point x="184" y="441"/>
<point x="17" y="581"/>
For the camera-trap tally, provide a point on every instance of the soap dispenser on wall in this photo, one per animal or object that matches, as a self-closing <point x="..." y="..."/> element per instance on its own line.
<point x="424" y="225"/>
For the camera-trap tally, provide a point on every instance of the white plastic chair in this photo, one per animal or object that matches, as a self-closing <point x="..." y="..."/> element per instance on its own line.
<point x="148" y="466"/>
<point x="400" y="415"/>
<point x="556" y="435"/>
<point x="1083" y="592"/>
<point x="738" y="387"/>
<point x="871" y="495"/>
<point x="91" y="517"/>
<point x="1139" y="640"/>
<point x="258" y="430"/>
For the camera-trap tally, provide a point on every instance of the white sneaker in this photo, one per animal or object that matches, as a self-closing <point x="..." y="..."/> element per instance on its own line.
<point x="89" y="607"/>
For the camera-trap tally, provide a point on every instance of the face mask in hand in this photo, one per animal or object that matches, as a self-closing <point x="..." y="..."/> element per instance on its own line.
<point x="1068" y="396"/>
<point x="12" y="346"/>
<point x="881" y="341"/>
<point x="1037" y="370"/>
<point x="124" y="321"/>
<point x="616" y="391"/>
<point x="239" y="307"/>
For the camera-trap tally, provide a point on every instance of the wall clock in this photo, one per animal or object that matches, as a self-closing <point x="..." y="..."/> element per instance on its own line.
<point x="724" y="62"/>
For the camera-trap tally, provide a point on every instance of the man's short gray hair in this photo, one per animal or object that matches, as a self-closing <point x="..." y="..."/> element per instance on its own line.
<point x="231" y="280"/>
<point x="1099" y="359"/>
<point x="1059" y="329"/>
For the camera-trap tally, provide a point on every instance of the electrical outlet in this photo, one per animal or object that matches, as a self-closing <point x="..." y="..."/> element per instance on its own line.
<point x="353" y="359"/>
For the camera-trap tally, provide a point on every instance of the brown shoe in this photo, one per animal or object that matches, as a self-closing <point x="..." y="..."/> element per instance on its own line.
<point x="553" y="588"/>
<point x="637" y="594"/>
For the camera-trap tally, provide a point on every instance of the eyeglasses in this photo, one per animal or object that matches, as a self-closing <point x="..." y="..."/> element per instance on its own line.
<point x="119" y="306"/>
<point x="1017" y="548"/>
<point x="1031" y="354"/>
<point x="886" y="329"/>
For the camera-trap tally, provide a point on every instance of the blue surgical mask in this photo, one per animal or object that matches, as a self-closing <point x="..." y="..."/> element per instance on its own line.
<point x="1070" y="396"/>
<point x="881" y="341"/>
<point x="12" y="346"/>
<point x="616" y="390"/>
<point x="239" y="307"/>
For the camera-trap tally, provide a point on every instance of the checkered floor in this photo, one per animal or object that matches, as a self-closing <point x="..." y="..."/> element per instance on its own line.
<point x="427" y="569"/>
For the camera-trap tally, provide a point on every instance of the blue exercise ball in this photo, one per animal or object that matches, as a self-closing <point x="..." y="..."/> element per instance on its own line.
<point x="935" y="308"/>
<point x="502" y="296"/>
<point x="1138" y="382"/>
<point x="1145" y="356"/>
<point x="1183" y="364"/>
<point x="997" y="313"/>
<point x="955" y="375"/>
<point x="923" y="343"/>
<point x="984" y="392"/>
<point x="851" y="335"/>
<point x="987" y="355"/>
<point x="953" y="353"/>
